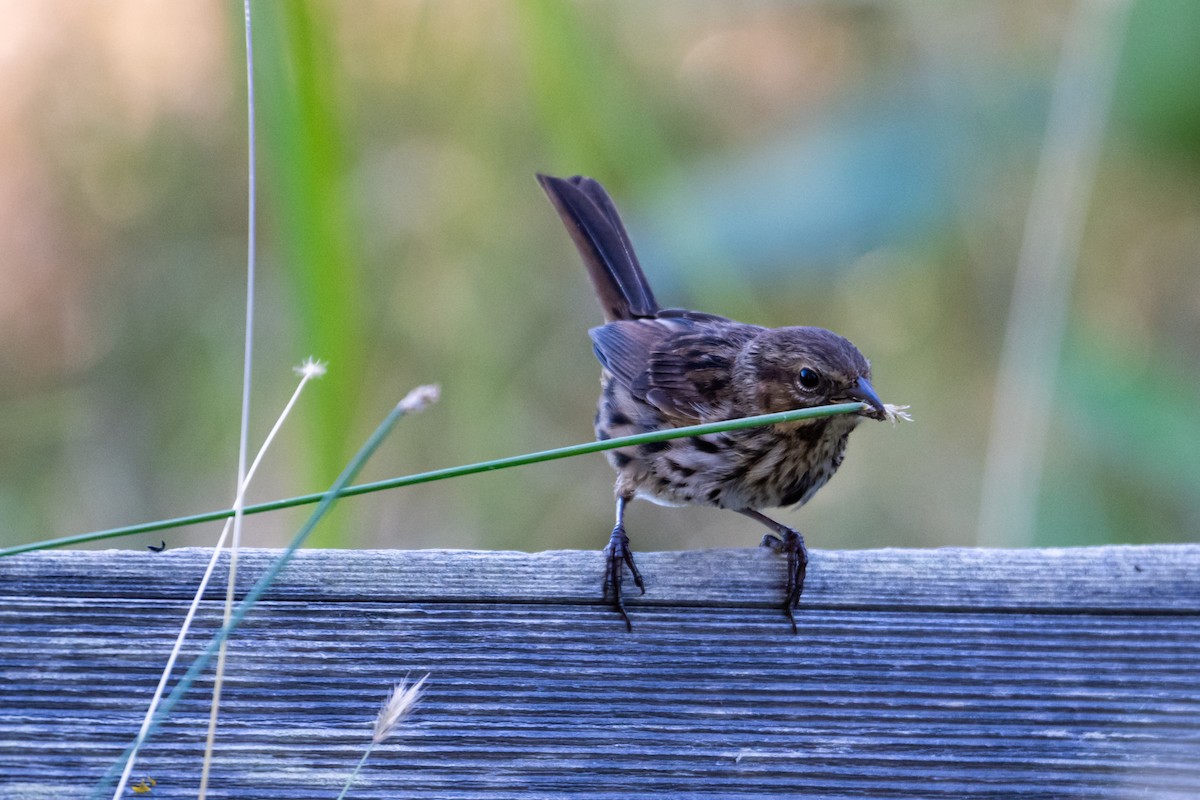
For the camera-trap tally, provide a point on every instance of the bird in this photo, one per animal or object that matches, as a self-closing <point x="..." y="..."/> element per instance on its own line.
<point x="669" y="367"/>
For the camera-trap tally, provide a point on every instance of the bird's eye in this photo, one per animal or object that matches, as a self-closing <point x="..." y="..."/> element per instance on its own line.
<point x="809" y="378"/>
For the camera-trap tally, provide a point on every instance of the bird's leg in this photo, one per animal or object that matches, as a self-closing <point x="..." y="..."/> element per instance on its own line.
<point x="790" y="542"/>
<point x="620" y="556"/>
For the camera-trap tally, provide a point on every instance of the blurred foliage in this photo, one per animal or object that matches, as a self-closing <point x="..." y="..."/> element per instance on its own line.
<point x="864" y="167"/>
<point x="1158" y="85"/>
<point x="306" y="169"/>
<point x="591" y="113"/>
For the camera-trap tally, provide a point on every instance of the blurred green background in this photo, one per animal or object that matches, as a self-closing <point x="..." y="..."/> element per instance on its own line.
<point x="861" y="166"/>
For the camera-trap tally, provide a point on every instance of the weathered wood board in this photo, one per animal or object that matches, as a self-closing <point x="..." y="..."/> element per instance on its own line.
<point x="952" y="673"/>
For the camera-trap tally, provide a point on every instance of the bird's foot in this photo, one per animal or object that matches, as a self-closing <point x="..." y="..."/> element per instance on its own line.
<point x="792" y="544"/>
<point x="618" y="556"/>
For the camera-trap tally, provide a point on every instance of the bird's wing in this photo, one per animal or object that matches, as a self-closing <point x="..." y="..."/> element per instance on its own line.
<point x="683" y="367"/>
<point x="624" y="347"/>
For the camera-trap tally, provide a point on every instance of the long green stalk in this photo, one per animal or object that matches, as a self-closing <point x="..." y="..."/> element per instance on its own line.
<point x="327" y="499"/>
<point x="455" y="472"/>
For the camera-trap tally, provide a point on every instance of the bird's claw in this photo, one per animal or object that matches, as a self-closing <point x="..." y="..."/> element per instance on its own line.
<point x="619" y="556"/>
<point x="791" y="543"/>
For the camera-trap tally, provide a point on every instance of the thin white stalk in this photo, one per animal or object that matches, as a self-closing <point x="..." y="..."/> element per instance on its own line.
<point x="239" y="501"/>
<point x="1037" y="317"/>
<point x="310" y="370"/>
<point x="357" y="769"/>
<point x="260" y="587"/>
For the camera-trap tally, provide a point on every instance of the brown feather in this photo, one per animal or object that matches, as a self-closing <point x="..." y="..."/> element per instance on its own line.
<point x="594" y="225"/>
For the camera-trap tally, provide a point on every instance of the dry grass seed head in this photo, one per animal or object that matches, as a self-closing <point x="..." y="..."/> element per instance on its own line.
<point x="399" y="704"/>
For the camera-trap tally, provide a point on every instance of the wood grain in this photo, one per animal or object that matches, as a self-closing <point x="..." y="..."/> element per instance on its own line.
<point x="935" y="673"/>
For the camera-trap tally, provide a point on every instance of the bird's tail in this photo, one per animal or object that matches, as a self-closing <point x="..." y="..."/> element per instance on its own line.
<point x="595" y="227"/>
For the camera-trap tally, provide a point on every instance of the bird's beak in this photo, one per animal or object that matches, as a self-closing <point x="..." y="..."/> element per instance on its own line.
<point x="864" y="392"/>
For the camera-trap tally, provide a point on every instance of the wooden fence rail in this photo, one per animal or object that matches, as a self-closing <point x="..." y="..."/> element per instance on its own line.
<point x="953" y="673"/>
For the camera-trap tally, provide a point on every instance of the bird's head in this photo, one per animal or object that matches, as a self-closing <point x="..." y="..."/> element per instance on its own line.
<point x="804" y="367"/>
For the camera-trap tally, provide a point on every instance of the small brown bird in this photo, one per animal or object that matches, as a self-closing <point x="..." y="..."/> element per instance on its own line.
<point x="667" y="368"/>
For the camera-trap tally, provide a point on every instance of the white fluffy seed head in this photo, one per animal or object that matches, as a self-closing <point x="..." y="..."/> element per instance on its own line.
<point x="420" y="398"/>
<point x="894" y="414"/>
<point x="311" y="368"/>
<point x="399" y="704"/>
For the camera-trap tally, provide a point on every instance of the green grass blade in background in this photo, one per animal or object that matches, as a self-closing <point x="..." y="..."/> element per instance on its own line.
<point x="1125" y="461"/>
<point x="594" y="117"/>
<point x="305" y="171"/>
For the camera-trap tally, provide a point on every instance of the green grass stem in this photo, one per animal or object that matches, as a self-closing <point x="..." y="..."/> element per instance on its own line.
<point x="326" y="501"/>
<point x="454" y="472"/>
